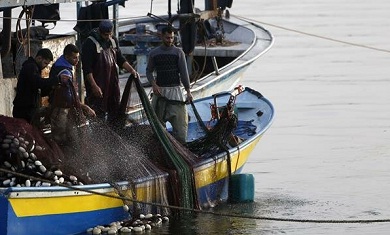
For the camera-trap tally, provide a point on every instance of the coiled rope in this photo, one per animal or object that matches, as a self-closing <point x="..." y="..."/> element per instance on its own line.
<point x="319" y="221"/>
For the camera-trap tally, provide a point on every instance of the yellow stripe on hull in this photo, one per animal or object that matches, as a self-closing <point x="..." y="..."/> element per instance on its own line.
<point x="79" y="202"/>
<point x="73" y="201"/>
<point x="62" y="205"/>
<point x="218" y="171"/>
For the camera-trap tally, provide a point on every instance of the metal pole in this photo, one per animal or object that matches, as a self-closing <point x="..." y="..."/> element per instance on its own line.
<point x="115" y="16"/>
<point x="79" y="73"/>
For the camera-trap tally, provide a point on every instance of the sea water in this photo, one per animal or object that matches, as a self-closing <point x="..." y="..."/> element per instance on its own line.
<point x="327" y="154"/>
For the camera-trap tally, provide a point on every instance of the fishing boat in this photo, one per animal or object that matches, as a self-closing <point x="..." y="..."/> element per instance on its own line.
<point x="217" y="56"/>
<point x="74" y="209"/>
<point x="219" y="46"/>
<point x="217" y="60"/>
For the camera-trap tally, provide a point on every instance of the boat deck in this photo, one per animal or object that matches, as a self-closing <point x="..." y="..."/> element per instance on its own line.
<point x="15" y="3"/>
<point x="231" y="50"/>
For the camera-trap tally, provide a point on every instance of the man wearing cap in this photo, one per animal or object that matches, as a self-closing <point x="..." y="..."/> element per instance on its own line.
<point x="100" y="56"/>
<point x="66" y="109"/>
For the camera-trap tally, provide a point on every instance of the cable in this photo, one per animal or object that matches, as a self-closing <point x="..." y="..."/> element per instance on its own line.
<point x="263" y="23"/>
<point x="315" y="35"/>
<point x="203" y="211"/>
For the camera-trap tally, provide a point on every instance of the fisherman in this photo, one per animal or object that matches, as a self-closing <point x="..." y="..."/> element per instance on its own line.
<point x="31" y="86"/>
<point x="100" y="57"/>
<point x="66" y="109"/>
<point x="168" y="98"/>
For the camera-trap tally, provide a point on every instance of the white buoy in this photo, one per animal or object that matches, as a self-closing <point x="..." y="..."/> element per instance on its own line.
<point x="125" y="230"/>
<point x="73" y="178"/>
<point x="22" y="150"/>
<point x="7" y="164"/>
<point x="96" y="231"/>
<point x="46" y="184"/>
<point x="42" y="168"/>
<point x="112" y="231"/>
<point x="137" y="229"/>
<point x="90" y="230"/>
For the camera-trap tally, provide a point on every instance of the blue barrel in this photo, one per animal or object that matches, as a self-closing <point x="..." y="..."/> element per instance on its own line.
<point x="241" y="188"/>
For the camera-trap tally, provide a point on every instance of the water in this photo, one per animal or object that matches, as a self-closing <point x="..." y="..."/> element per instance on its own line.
<point x="327" y="154"/>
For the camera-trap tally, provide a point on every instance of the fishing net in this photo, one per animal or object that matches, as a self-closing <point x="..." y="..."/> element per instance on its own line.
<point x="134" y="153"/>
<point x="25" y="150"/>
<point x="104" y="156"/>
<point x="121" y="150"/>
<point x="218" y="133"/>
<point x="179" y="169"/>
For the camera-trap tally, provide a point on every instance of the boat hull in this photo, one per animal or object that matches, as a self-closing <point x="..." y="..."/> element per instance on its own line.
<point x="72" y="210"/>
<point x="58" y="210"/>
<point x="62" y="210"/>
<point x="250" y="41"/>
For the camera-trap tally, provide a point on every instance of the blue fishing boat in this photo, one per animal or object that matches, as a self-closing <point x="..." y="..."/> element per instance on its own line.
<point x="72" y="210"/>
<point x="217" y="59"/>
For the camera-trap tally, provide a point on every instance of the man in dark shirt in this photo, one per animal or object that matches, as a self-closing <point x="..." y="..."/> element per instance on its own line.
<point x="30" y="81"/>
<point x="100" y="55"/>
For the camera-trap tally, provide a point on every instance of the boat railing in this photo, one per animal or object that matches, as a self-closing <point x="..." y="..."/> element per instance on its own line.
<point x="14" y="3"/>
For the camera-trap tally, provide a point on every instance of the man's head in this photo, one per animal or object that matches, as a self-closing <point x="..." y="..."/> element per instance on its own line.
<point x="167" y="36"/>
<point x="71" y="54"/>
<point x="105" y="29"/>
<point x="43" y="58"/>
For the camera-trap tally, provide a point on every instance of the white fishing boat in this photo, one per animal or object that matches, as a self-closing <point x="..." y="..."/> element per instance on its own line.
<point x="219" y="46"/>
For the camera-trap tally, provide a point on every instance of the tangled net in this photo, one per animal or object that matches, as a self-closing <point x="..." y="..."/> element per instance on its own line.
<point x="101" y="153"/>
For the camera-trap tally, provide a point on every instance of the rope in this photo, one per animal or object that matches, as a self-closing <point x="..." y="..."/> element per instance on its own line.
<point x="216" y="213"/>
<point x="184" y="171"/>
<point x="80" y="20"/>
<point x="123" y="198"/>
<point x="259" y="22"/>
<point x="316" y="35"/>
<point x="24" y="39"/>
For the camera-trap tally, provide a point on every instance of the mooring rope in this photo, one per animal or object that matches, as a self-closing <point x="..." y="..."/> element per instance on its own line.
<point x="243" y="216"/>
<point x="248" y="19"/>
<point x="315" y="35"/>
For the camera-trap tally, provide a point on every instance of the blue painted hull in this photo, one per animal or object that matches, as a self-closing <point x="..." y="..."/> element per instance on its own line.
<point x="59" y="210"/>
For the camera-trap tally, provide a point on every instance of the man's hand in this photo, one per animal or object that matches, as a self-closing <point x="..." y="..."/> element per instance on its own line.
<point x="96" y="91"/>
<point x="64" y="78"/>
<point x="156" y="89"/>
<point x="88" y="111"/>
<point x="189" y="96"/>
